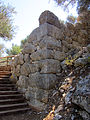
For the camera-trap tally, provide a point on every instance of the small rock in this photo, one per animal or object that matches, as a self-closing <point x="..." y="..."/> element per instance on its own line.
<point x="60" y="107"/>
<point x="68" y="98"/>
<point x="57" y="117"/>
<point x="88" y="47"/>
<point x="81" y="62"/>
<point x="84" y="115"/>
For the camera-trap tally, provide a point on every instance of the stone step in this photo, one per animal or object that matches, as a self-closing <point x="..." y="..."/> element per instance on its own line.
<point x="5" y="73"/>
<point x="8" y="92"/>
<point x="7" y="89"/>
<point x="4" y="76"/>
<point x="7" y="85"/>
<point x="12" y="101"/>
<point x="14" y="110"/>
<point x="5" y="68"/>
<point x="5" y="82"/>
<point x="13" y="96"/>
<point x="13" y="106"/>
<point x="5" y="79"/>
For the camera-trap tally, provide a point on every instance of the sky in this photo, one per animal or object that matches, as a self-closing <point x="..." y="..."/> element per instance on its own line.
<point x="28" y="12"/>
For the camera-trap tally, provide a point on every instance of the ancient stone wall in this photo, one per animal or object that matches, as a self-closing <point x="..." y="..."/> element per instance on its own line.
<point x="37" y="68"/>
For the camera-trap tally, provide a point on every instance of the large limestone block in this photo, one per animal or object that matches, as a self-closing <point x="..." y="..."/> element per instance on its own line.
<point x="23" y="82"/>
<point x="59" y="55"/>
<point x="49" y="17"/>
<point x="29" y="48"/>
<point x="69" y="26"/>
<point x="39" y="94"/>
<point x="81" y="61"/>
<point x="34" y="103"/>
<point x="42" y="81"/>
<point x="50" y="66"/>
<point x="81" y="95"/>
<point x="88" y="48"/>
<point x="50" y="43"/>
<point x="17" y="70"/>
<point x="33" y="67"/>
<point x="20" y="58"/>
<point x="54" y="32"/>
<point x="45" y="30"/>
<point x="42" y="54"/>
<point x="27" y="58"/>
<point x="25" y="70"/>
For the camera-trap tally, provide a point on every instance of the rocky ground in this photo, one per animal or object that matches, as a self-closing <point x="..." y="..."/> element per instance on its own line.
<point x="71" y="95"/>
<point x="30" y="115"/>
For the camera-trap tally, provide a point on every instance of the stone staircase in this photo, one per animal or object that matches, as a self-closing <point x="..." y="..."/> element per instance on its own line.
<point x="11" y="101"/>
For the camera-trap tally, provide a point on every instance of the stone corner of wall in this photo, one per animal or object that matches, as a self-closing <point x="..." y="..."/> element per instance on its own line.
<point x="49" y="17"/>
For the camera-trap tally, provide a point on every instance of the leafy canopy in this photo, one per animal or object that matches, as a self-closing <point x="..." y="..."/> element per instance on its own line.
<point x="14" y="50"/>
<point x="6" y="24"/>
<point x="82" y="5"/>
<point x="24" y="41"/>
<point x="71" y="19"/>
<point x="1" y="49"/>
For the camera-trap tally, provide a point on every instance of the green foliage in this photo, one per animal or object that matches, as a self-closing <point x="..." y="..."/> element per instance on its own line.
<point x="82" y="5"/>
<point x="24" y="41"/>
<point x="71" y="19"/>
<point x="6" y="27"/>
<point x="89" y="59"/>
<point x="14" y="50"/>
<point x="70" y="60"/>
<point x="1" y="49"/>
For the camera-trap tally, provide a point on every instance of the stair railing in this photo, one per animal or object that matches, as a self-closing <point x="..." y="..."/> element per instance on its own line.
<point x="6" y="60"/>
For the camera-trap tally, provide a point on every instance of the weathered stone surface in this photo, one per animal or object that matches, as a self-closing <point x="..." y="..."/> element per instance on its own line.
<point x="25" y="70"/>
<point x="27" y="58"/>
<point x="17" y="70"/>
<point x="45" y="30"/>
<point x="37" y="104"/>
<point x="20" y="58"/>
<point x="85" y="115"/>
<point x="68" y="39"/>
<point x="49" y="17"/>
<point x="54" y="32"/>
<point x="57" y="117"/>
<point x="42" y="81"/>
<point x="37" y="34"/>
<point x="42" y="54"/>
<point x="88" y="47"/>
<point x="23" y="82"/>
<point x="81" y="61"/>
<point x="54" y="45"/>
<point x="75" y="44"/>
<point x="50" y="43"/>
<point x="39" y="94"/>
<point x="50" y="66"/>
<point x="33" y="67"/>
<point x="59" y="55"/>
<point x="29" y="48"/>
<point x="81" y="95"/>
<point x="63" y="64"/>
<point x="70" y="26"/>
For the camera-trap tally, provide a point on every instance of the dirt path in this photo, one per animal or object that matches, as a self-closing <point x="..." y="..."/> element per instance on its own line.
<point x="30" y="115"/>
